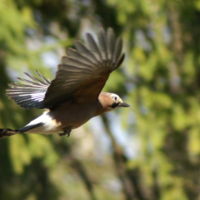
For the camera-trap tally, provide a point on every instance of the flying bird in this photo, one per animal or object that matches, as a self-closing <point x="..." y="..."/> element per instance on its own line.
<point x="74" y="96"/>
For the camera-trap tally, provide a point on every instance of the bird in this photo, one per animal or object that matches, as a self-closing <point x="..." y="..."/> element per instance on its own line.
<point x="74" y="96"/>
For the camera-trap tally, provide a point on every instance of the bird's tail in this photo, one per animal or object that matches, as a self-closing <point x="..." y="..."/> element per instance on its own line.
<point x="7" y="132"/>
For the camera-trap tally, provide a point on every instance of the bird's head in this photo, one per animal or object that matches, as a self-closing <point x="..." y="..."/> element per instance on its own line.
<point x="117" y="101"/>
<point x="110" y="101"/>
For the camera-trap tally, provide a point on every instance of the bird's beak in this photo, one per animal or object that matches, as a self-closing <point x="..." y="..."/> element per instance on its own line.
<point x="124" y="105"/>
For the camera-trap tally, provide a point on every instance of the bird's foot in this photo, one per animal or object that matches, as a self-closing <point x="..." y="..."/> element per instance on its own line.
<point x="67" y="132"/>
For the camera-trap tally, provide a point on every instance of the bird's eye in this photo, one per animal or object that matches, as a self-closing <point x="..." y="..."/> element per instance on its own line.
<point x="115" y="98"/>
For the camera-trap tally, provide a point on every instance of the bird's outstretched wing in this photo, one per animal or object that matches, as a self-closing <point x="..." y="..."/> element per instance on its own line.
<point x="31" y="94"/>
<point x="84" y="72"/>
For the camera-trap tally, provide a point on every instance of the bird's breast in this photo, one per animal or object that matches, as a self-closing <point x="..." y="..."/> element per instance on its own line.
<point x="73" y="115"/>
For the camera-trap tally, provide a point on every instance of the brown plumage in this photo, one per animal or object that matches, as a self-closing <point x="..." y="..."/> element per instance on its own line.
<point x="74" y="96"/>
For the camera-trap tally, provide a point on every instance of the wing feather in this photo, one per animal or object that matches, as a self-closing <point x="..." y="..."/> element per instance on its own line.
<point x="84" y="71"/>
<point x="81" y="48"/>
<point x="30" y="95"/>
<point x="77" y="56"/>
<point x="110" y="43"/>
<point x="102" y="44"/>
<point x="94" y="48"/>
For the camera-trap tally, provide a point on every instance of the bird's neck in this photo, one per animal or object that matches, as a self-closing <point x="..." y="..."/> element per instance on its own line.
<point x="103" y="104"/>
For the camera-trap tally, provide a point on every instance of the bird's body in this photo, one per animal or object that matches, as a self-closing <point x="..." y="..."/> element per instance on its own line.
<point x="61" y="119"/>
<point x="74" y="96"/>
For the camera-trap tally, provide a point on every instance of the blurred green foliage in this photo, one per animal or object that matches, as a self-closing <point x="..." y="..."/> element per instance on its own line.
<point x="159" y="79"/>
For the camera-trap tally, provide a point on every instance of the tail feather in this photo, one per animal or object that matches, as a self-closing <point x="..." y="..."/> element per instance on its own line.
<point x="29" y="127"/>
<point x="7" y="132"/>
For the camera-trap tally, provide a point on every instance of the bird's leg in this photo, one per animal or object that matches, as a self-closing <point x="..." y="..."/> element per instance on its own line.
<point x="67" y="131"/>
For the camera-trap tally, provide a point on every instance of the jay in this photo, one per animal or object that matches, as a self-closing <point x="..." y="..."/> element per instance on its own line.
<point x="74" y="96"/>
